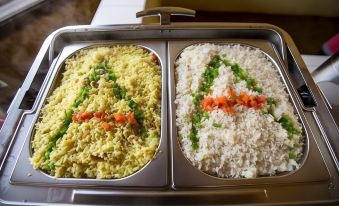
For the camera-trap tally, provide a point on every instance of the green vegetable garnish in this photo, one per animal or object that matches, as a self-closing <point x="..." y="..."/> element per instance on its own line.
<point x="197" y="98"/>
<point x="111" y="76"/>
<point x="193" y="137"/>
<point x="291" y="155"/>
<point x="257" y="89"/>
<point x="48" y="152"/>
<point x="215" y="62"/>
<point x="83" y="95"/>
<point x="139" y="116"/>
<point x="250" y="83"/>
<point x="196" y="123"/>
<point x="271" y="101"/>
<point x="237" y="70"/>
<point x="68" y="117"/>
<point x="216" y="125"/>
<point x="51" y="166"/>
<point x="288" y="125"/>
<point x="94" y="76"/>
<point x="132" y="105"/>
<point x="210" y="74"/>
<point x="119" y="93"/>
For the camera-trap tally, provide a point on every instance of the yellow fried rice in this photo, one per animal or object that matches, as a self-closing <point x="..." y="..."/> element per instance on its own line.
<point x="87" y="150"/>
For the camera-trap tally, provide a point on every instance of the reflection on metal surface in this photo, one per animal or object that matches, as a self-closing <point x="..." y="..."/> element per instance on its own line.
<point x="328" y="71"/>
<point x="9" y="8"/>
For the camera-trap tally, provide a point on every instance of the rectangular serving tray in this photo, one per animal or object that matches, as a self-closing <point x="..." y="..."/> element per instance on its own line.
<point x="316" y="182"/>
<point x="186" y="175"/>
<point x="152" y="175"/>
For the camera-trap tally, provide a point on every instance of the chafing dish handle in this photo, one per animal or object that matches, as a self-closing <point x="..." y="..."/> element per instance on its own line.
<point x="165" y="13"/>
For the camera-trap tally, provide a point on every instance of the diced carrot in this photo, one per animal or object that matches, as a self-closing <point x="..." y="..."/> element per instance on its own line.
<point x="231" y="110"/>
<point x="231" y="92"/>
<point x="85" y="116"/>
<point x="261" y="99"/>
<point x="106" y="126"/>
<point x="232" y="102"/>
<point x="104" y="115"/>
<point x="259" y="106"/>
<point x="227" y="104"/>
<point x="245" y="99"/>
<point x="98" y="114"/>
<point x="120" y="118"/>
<point x="252" y="97"/>
<point x="243" y="94"/>
<point x="207" y="104"/>
<point x="131" y="119"/>
<point x="209" y="108"/>
<point x="220" y="101"/>
<point x="227" y="109"/>
<point x="74" y="118"/>
<point x="224" y="109"/>
<point x="208" y="100"/>
<point x="253" y="103"/>
<point x="239" y="101"/>
<point x="155" y="58"/>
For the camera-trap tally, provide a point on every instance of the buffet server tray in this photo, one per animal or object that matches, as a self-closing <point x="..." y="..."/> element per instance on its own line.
<point x="316" y="181"/>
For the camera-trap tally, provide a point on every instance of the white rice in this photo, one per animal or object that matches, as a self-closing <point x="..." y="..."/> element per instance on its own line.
<point x="248" y="143"/>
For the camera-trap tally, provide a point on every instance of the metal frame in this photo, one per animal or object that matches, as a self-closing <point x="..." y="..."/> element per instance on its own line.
<point x="322" y="128"/>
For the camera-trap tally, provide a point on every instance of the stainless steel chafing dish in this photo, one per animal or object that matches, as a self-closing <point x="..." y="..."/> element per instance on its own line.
<point x="170" y="178"/>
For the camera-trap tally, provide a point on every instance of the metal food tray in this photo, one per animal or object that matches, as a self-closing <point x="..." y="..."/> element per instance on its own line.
<point x="153" y="174"/>
<point x="316" y="181"/>
<point x="182" y="168"/>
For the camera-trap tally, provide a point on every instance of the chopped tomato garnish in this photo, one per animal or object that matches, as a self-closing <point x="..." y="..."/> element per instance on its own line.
<point x="74" y="118"/>
<point x="224" y="109"/>
<point x="253" y="103"/>
<point x="243" y="94"/>
<point x="220" y="101"/>
<point x="261" y="99"/>
<point x="258" y="106"/>
<point x="155" y="58"/>
<point x="207" y="104"/>
<point x="85" y="116"/>
<point x="245" y="99"/>
<point x="227" y="109"/>
<point x="252" y="98"/>
<point x="131" y="119"/>
<point x="238" y="101"/>
<point x="231" y="110"/>
<point x="226" y="104"/>
<point x="120" y="118"/>
<point x="98" y="115"/>
<point x="106" y="126"/>
<point x="232" y="102"/>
